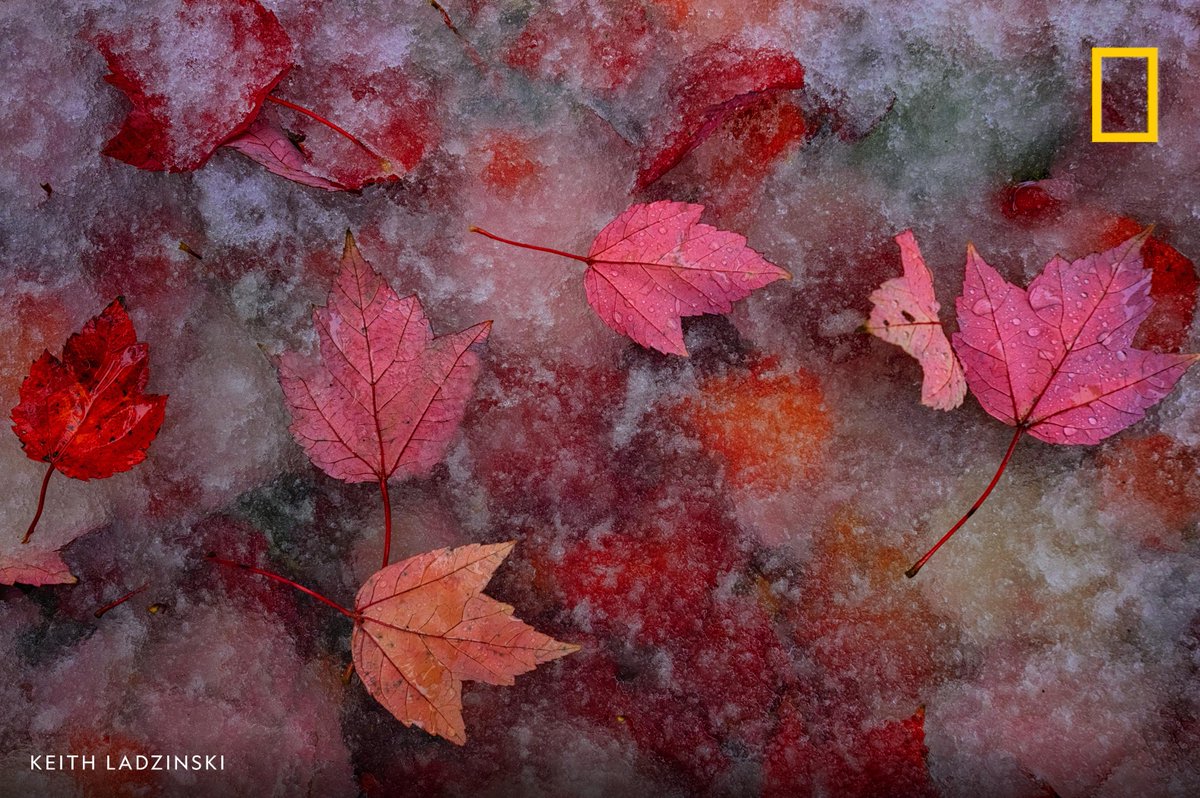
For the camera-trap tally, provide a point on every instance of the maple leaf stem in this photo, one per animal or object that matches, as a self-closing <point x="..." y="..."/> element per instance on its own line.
<point x="284" y="580"/>
<point x="911" y="572"/>
<point x="495" y="237"/>
<point x="41" y="504"/>
<point x="387" y="521"/>
<point x="112" y="604"/>
<point x="335" y="128"/>
<point x="867" y="328"/>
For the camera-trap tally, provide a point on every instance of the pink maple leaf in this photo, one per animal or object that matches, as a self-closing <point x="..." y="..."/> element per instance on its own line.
<point x="905" y="313"/>
<point x="383" y="397"/>
<point x="1056" y="360"/>
<point x="656" y="263"/>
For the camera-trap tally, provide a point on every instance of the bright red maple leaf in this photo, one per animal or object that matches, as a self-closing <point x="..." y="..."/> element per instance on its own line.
<point x="707" y="89"/>
<point x="905" y="313"/>
<point x="383" y="397"/>
<point x="655" y="264"/>
<point x="86" y="414"/>
<point x="423" y="626"/>
<point x="196" y="73"/>
<point x="1056" y="360"/>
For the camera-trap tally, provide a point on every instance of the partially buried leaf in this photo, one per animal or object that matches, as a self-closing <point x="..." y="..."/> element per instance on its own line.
<point x="848" y="761"/>
<point x="603" y="45"/>
<point x="383" y="397"/>
<point x="375" y="121"/>
<point x="905" y="313"/>
<point x="31" y="565"/>
<point x="88" y="416"/>
<point x="196" y="73"/>
<point x="423" y="627"/>
<point x="707" y="89"/>
<point x="267" y="144"/>
<point x="770" y="425"/>
<point x="1173" y="286"/>
<point x="1057" y="360"/>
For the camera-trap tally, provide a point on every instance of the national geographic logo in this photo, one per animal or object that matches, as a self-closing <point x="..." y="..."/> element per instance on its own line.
<point x="1150" y="54"/>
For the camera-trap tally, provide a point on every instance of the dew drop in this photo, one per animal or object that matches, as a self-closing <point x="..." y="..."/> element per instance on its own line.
<point x="1034" y="332"/>
<point x="982" y="307"/>
<point x="1092" y="420"/>
<point x="1042" y="297"/>
<point x="1068" y="431"/>
<point x="1121" y="356"/>
<point x="618" y="318"/>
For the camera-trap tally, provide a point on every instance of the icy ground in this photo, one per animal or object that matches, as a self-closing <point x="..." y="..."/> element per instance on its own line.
<point x="724" y="535"/>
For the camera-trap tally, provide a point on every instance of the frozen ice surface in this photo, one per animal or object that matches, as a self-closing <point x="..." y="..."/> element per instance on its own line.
<point x="235" y="49"/>
<point x="724" y="535"/>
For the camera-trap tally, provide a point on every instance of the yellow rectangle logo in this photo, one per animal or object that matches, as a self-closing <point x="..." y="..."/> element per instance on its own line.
<point x="1150" y="134"/>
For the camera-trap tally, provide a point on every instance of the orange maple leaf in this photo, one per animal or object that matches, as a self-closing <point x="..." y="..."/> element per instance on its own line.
<point x="423" y="626"/>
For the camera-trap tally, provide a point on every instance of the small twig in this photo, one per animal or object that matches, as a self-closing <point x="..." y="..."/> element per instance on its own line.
<point x="100" y="612"/>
